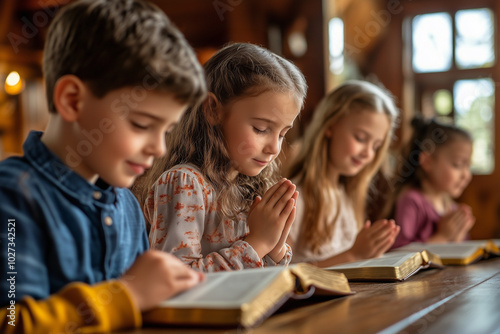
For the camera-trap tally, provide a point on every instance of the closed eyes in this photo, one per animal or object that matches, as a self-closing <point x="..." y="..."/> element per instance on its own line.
<point x="139" y="126"/>
<point x="257" y="130"/>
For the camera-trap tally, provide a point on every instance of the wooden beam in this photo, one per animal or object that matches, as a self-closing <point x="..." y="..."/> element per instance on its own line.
<point x="34" y="5"/>
<point x="7" y="9"/>
<point x="26" y="57"/>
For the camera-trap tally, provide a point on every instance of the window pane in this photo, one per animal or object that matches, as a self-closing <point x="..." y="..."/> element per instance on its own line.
<point x="443" y="102"/>
<point x="336" y="45"/>
<point x="474" y="105"/>
<point x="474" y="39"/>
<point x="432" y="42"/>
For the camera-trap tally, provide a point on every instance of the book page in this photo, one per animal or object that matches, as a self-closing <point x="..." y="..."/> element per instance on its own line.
<point x="228" y="289"/>
<point x="448" y="251"/>
<point x="392" y="259"/>
<point x="326" y="282"/>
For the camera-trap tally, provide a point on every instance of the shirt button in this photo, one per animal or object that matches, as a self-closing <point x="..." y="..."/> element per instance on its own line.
<point x="108" y="221"/>
<point x="97" y="195"/>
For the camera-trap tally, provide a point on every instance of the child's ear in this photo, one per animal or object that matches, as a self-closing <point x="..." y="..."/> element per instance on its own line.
<point x="212" y="109"/>
<point x="68" y="92"/>
<point x="424" y="159"/>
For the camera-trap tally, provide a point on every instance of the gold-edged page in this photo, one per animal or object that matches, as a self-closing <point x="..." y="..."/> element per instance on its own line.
<point x="494" y="246"/>
<point x="496" y="242"/>
<point x="275" y="294"/>
<point x="390" y="266"/>
<point x="223" y="298"/>
<point x="328" y="282"/>
<point x="431" y="259"/>
<point x="459" y="253"/>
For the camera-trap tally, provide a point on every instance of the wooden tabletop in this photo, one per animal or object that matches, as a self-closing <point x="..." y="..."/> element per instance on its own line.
<point x="450" y="300"/>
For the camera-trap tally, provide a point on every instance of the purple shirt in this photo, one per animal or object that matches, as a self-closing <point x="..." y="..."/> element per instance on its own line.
<point x="416" y="216"/>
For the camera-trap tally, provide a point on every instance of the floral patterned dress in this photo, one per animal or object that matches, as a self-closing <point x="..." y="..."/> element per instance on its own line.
<point x="186" y="222"/>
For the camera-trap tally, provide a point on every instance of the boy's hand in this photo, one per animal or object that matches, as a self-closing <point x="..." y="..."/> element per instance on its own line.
<point x="374" y="239"/>
<point x="156" y="276"/>
<point x="269" y="216"/>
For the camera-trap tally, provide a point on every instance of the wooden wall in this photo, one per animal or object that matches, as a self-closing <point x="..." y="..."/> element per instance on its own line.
<point x="374" y="45"/>
<point x="385" y="60"/>
<point x="207" y="25"/>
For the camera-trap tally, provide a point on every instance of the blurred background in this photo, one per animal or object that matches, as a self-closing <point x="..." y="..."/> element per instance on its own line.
<point x="438" y="58"/>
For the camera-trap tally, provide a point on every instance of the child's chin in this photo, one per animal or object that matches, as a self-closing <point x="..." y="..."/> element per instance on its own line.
<point x="351" y="173"/>
<point x="124" y="182"/>
<point x="127" y="184"/>
<point x="252" y="174"/>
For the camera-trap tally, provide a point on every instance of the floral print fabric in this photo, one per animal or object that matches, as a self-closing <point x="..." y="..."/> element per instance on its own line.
<point x="186" y="222"/>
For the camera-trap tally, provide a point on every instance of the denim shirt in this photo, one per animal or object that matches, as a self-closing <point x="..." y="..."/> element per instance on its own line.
<point x="62" y="228"/>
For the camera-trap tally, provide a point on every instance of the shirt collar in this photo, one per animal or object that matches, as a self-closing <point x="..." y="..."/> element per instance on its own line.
<point x="61" y="175"/>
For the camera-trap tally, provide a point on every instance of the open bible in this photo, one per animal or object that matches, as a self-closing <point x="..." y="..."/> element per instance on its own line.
<point x="459" y="253"/>
<point x="246" y="297"/>
<point x="392" y="266"/>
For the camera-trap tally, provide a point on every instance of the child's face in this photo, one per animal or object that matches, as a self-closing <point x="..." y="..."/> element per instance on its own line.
<point x="254" y="128"/>
<point x="119" y="135"/>
<point x="448" y="168"/>
<point x="354" y="141"/>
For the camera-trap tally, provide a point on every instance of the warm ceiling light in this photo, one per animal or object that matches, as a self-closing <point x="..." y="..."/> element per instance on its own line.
<point x="13" y="83"/>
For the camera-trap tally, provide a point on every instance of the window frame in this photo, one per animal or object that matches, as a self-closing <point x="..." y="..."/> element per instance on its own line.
<point x="418" y="84"/>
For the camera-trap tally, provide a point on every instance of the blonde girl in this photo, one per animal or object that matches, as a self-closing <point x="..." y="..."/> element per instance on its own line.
<point x="434" y="173"/>
<point x="343" y="148"/>
<point x="216" y="201"/>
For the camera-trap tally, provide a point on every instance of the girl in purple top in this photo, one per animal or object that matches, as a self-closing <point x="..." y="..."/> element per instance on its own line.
<point x="435" y="171"/>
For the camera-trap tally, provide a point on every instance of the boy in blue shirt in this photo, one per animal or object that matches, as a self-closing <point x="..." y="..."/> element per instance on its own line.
<point x="74" y="253"/>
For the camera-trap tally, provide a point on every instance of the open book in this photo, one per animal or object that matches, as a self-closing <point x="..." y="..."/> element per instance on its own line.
<point x="459" y="253"/>
<point x="392" y="266"/>
<point x="246" y="297"/>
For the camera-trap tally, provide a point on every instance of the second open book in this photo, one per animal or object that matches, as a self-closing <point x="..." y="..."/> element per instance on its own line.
<point x="392" y="266"/>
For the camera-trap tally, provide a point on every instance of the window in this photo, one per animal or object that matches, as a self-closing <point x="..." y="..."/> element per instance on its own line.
<point x="451" y="56"/>
<point x="432" y="44"/>
<point x="336" y="45"/>
<point x="474" y="38"/>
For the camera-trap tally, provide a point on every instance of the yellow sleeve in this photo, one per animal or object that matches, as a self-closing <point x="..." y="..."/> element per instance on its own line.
<point x="77" y="308"/>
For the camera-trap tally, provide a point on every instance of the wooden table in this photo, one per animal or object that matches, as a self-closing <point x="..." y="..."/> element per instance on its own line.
<point x="452" y="300"/>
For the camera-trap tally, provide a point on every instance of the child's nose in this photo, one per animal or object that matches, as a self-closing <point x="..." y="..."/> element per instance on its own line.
<point x="161" y="149"/>
<point x="273" y="146"/>
<point x="366" y="152"/>
<point x="157" y="146"/>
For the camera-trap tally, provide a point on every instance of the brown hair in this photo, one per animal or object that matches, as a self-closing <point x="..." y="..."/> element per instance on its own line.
<point x="429" y="135"/>
<point x="311" y="165"/>
<point x="236" y="71"/>
<point x="110" y="44"/>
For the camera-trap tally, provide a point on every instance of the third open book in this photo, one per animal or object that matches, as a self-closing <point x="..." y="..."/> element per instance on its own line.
<point x="459" y="253"/>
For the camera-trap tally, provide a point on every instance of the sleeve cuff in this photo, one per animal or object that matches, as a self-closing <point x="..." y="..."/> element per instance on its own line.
<point x="122" y="311"/>
<point x="114" y="307"/>
<point x="268" y="262"/>
<point x="247" y="251"/>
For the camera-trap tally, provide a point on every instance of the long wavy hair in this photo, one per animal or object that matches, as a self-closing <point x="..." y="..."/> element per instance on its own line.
<point x="310" y="168"/>
<point x="236" y="71"/>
